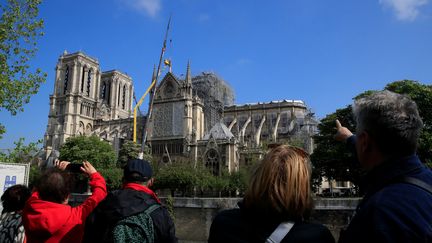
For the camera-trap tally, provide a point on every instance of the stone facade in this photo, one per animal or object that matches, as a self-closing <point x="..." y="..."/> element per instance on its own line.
<point x="87" y="101"/>
<point x="194" y="119"/>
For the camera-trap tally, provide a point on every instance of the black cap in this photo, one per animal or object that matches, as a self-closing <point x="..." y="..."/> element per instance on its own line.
<point x="142" y="167"/>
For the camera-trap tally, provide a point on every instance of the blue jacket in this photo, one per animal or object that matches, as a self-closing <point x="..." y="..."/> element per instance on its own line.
<point x="393" y="211"/>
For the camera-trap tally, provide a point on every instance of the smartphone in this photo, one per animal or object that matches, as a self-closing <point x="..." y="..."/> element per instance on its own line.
<point x="74" y="168"/>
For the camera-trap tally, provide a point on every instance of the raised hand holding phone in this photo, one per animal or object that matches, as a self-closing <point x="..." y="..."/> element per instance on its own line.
<point x="88" y="168"/>
<point x="62" y="165"/>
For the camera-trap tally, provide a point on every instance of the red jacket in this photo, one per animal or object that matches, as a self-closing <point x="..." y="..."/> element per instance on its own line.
<point x="53" y="222"/>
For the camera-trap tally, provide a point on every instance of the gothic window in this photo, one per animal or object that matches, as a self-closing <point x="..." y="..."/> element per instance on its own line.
<point x="124" y="97"/>
<point x="108" y="93"/>
<point x="88" y="129"/>
<point x="88" y="82"/>
<point x="103" y="91"/>
<point x="66" y="80"/>
<point x="81" y="128"/>
<point x="212" y="160"/>
<point x="169" y="89"/>
<point x="82" y="79"/>
<point x="284" y="121"/>
<point x="118" y="96"/>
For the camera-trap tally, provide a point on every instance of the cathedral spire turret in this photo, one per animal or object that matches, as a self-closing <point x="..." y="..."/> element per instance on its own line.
<point x="188" y="75"/>
<point x="188" y="81"/>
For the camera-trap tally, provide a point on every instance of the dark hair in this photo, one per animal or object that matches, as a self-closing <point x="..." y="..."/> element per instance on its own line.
<point x="14" y="198"/>
<point x="54" y="186"/>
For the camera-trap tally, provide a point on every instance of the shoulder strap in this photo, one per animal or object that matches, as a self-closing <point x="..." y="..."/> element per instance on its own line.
<point x="280" y="232"/>
<point x="416" y="182"/>
<point x="152" y="208"/>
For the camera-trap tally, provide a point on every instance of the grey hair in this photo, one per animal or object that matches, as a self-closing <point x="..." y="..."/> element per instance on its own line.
<point x="391" y="119"/>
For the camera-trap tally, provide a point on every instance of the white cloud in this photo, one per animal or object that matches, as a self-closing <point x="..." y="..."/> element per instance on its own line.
<point x="405" y="10"/>
<point x="149" y="7"/>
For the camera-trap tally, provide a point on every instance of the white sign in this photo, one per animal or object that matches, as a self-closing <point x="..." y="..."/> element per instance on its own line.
<point x="13" y="174"/>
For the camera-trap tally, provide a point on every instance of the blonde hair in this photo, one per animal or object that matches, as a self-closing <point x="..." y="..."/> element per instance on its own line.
<point x="281" y="184"/>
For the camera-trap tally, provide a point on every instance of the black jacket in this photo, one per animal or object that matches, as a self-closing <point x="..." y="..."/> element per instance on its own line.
<point x="242" y="225"/>
<point x="121" y="204"/>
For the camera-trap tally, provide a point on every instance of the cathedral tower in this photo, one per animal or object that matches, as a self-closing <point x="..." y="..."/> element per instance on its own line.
<point x="83" y="95"/>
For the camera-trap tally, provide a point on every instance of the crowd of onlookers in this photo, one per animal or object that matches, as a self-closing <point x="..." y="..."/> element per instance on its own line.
<point x="397" y="206"/>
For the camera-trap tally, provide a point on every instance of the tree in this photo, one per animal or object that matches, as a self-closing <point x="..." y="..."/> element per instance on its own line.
<point x="182" y="177"/>
<point x="113" y="177"/>
<point x="80" y="148"/>
<point x="332" y="159"/>
<point x="99" y="153"/>
<point x="190" y="180"/>
<point x="22" y="153"/>
<point x="25" y="154"/>
<point x="19" y="30"/>
<point x="131" y="150"/>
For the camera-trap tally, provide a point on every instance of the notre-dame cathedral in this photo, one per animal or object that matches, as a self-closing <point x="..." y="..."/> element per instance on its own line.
<point x="194" y="117"/>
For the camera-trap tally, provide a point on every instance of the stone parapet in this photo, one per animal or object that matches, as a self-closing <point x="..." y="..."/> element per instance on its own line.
<point x="224" y="203"/>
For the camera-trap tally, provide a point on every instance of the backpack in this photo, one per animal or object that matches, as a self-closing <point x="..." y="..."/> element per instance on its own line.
<point x="136" y="228"/>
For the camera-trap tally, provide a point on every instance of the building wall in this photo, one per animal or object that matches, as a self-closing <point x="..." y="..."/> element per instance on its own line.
<point x="77" y="101"/>
<point x="289" y="119"/>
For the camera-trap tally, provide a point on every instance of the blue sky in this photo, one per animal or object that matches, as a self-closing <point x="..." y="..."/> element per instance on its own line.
<point x="321" y="52"/>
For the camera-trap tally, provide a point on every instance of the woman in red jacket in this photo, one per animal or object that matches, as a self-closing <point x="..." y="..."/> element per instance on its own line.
<point x="47" y="217"/>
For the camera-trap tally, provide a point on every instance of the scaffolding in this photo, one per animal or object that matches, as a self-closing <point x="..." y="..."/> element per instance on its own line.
<point x="215" y="94"/>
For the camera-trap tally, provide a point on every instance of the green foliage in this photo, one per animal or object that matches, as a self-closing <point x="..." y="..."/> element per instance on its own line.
<point x="99" y="153"/>
<point x="2" y="130"/>
<point x="219" y="184"/>
<point x="187" y="180"/>
<point x="19" y="30"/>
<point x="332" y="158"/>
<point x="131" y="150"/>
<point x="238" y="181"/>
<point x="34" y="175"/>
<point x="80" y="148"/>
<point x="182" y="177"/>
<point x="21" y="153"/>
<point x="24" y="154"/>
<point x="113" y="177"/>
<point x="169" y="204"/>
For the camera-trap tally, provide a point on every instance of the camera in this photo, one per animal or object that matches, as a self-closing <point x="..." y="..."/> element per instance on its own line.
<point x="74" y="168"/>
